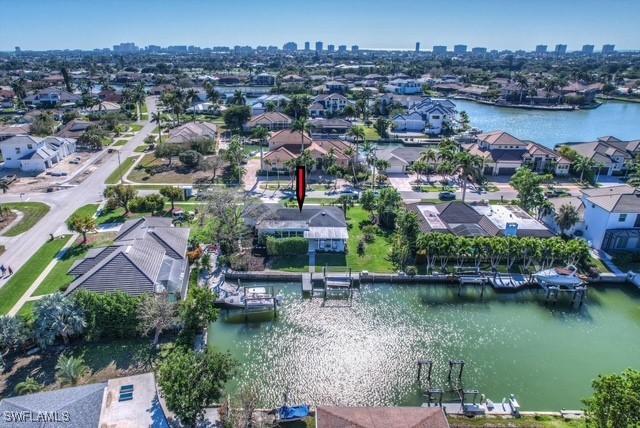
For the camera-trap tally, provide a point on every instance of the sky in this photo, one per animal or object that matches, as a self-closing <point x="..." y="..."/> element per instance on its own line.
<point x="374" y="24"/>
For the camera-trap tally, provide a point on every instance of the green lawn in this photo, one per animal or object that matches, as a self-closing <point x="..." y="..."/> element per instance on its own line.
<point x="116" y="216"/>
<point x="120" y="142"/>
<point x="290" y="263"/>
<point x="11" y="292"/>
<point x="114" y="178"/>
<point x="89" y="209"/>
<point x="135" y="127"/>
<point x="375" y="258"/>
<point x="58" y="280"/>
<point x="370" y="134"/>
<point x="141" y="148"/>
<point x="33" y="212"/>
<point x="524" y="421"/>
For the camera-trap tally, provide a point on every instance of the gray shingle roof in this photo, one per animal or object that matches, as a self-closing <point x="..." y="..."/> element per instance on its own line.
<point x="83" y="404"/>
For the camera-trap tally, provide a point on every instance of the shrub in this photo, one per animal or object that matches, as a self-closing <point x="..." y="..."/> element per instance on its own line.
<point x="286" y="246"/>
<point x="369" y="233"/>
<point x="362" y="245"/>
<point x="152" y="203"/>
<point x="411" y="270"/>
<point x="190" y="158"/>
<point x="108" y="314"/>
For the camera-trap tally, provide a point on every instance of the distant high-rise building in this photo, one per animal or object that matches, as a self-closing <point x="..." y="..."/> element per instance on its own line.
<point x="541" y="49"/>
<point x="261" y="49"/>
<point x="177" y="49"/>
<point x="153" y="49"/>
<point x="587" y="49"/>
<point x="318" y="47"/>
<point x="608" y="49"/>
<point x="128" y="47"/>
<point x="307" y="46"/>
<point x="355" y="48"/>
<point x="342" y="48"/>
<point x="439" y="50"/>
<point x="560" y="49"/>
<point x="460" y="49"/>
<point x="242" y="50"/>
<point x="417" y="47"/>
<point x="290" y="47"/>
<point x="331" y="48"/>
<point x="194" y="49"/>
<point x="478" y="51"/>
<point x="18" y="50"/>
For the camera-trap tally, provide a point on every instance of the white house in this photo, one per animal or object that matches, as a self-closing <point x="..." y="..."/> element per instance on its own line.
<point x="260" y="104"/>
<point x="404" y="87"/>
<point x="35" y="154"/>
<point x="612" y="218"/>
<point x="328" y="105"/>
<point x="52" y="97"/>
<point x="428" y="116"/>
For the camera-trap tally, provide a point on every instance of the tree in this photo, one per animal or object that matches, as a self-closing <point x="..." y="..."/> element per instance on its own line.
<point x="166" y="151"/>
<point x="82" y="223"/>
<point x="528" y="185"/>
<point x="93" y="138"/>
<point x="190" y="382"/>
<point x="568" y="153"/>
<point x="108" y="315"/>
<point x="13" y="334"/>
<point x="368" y="200"/>
<point x="190" y="158"/>
<point x="634" y="173"/>
<point x="156" y="117"/>
<point x="120" y="196"/>
<point x="198" y="310"/>
<point x="584" y="165"/>
<point x="615" y="401"/>
<point x="43" y="125"/>
<point x="358" y="134"/>
<point x="464" y="121"/>
<point x="156" y="313"/>
<point x="388" y="204"/>
<point x="70" y="369"/>
<point x="469" y="166"/>
<point x="567" y="217"/>
<point x="213" y="164"/>
<point x="261" y="134"/>
<point x="236" y="116"/>
<point x="381" y="126"/>
<point x="27" y="386"/>
<point x="238" y="98"/>
<point x="302" y="126"/>
<point x="57" y="315"/>
<point x="172" y="193"/>
<point x="298" y="107"/>
<point x="235" y="155"/>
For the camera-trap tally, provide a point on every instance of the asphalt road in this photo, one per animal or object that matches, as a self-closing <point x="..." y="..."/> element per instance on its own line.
<point x="64" y="202"/>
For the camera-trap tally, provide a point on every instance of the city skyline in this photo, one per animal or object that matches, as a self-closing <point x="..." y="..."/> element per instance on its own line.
<point x="237" y="24"/>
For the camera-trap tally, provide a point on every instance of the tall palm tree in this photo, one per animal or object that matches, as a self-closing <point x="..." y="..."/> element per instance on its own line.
<point x="191" y="96"/>
<point x="467" y="165"/>
<point x="567" y="217"/>
<point x="429" y="156"/>
<point x="156" y="117"/>
<point x="302" y="126"/>
<point x="358" y="134"/>
<point x="238" y="98"/>
<point x="583" y="164"/>
<point x="261" y="133"/>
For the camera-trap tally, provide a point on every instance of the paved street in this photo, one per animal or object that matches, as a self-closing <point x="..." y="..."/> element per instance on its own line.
<point x="64" y="202"/>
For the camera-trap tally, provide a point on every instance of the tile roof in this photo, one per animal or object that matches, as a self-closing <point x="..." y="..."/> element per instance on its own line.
<point x="192" y="131"/>
<point x="381" y="417"/>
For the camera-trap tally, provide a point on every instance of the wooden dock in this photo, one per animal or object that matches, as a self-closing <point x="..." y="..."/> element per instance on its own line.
<point x="509" y="282"/>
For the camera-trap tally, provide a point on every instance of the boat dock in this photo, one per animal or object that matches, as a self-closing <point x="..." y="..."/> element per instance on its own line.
<point x="510" y="282"/>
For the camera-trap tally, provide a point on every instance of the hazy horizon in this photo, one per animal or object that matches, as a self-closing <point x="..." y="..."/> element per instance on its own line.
<point x="494" y="24"/>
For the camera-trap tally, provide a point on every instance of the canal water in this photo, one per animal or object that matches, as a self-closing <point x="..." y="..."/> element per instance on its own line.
<point x="365" y="353"/>
<point x="620" y="119"/>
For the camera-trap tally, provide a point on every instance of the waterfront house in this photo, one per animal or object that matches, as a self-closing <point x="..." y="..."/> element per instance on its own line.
<point x="325" y="228"/>
<point x="336" y="126"/>
<point x="478" y="219"/>
<point x="503" y="154"/>
<point x="583" y="93"/>
<point x="262" y="102"/>
<point x="191" y="132"/>
<point x="612" y="218"/>
<point x="51" y="97"/>
<point x="610" y="154"/>
<point x="390" y="101"/>
<point x="285" y="145"/>
<point x="404" y="87"/>
<point x="264" y="79"/>
<point x="327" y="105"/>
<point x="35" y="154"/>
<point x="396" y="417"/>
<point x="147" y="256"/>
<point x="428" y="116"/>
<point x="550" y="219"/>
<point x="273" y="121"/>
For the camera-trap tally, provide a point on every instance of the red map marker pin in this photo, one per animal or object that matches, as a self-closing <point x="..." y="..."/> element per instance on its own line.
<point x="301" y="185"/>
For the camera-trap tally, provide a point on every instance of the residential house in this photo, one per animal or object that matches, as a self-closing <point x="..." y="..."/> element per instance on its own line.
<point x="193" y="131"/>
<point x="334" y="86"/>
<point x="8" y="131"/>
<point x="286" y="145"/>
<point x="264" y="79"/>
<point x="51" y="97"/>
<point x="325" y="228"/>
<point x="104" y="107"/>
<point x="404" y="87"/>
<point x="74" y="128"/>
<point x="612" y="218"/>
<point x="400" y="159"/>
<point x="583" y="92"/>
<point x="478" y="219"/>
<point x="610" y="155"/>
<point x="273" y="121"/>
<point x="321" y="126"/>
<point x="130" y="401"/>
<point x="262" y="102"/>
<point x="550" y="219"/>
<point x="503" y="154"/>
<point x="147" y="256"/>
<point x="35" y="154"/>
<point x="327" y="105"/>
<point x="428" y="116"/>
<point x="390" y="101"/>
<point x="6" y="97"/>
<point x="397" y="417"/>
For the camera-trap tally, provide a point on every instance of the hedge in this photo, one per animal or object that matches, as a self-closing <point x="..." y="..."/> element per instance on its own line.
<point x="287" y="246"/>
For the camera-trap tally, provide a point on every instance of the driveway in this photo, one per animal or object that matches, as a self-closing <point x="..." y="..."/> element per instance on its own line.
<point x="401" y="182"/>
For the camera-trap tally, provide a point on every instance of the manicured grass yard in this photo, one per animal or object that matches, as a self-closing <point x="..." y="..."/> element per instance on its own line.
<point x="21" y="280"/>
<point x="371" y="134"/>
<point x="33" y="212"/>
<point x="89" y="209"/>
<point x="376" y="254"/>
<point x="58" y="280"/>
<point x="114" y="178"/>
<point x="290" y="263"/>
<point x="120" y="142"/>
<point x="135" y="127"/>
<point x="141" y="148"/>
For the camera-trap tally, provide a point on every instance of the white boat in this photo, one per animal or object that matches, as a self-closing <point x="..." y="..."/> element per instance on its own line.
<point x="233" y="296"/>
<point x="566" y="277"/>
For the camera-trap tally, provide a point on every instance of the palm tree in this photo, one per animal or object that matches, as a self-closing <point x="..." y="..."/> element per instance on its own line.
<point x="70" y="369"/>
<point x="261" y="133"/>
<point x="583" y="164"/>
<point x="191" y="96"/>
<point x="382" y="165"/>
<point x="523" y="84"/>
<point x="212" y="95"/>
<point x="302" y="126"/>
<point x="427" y="157"/>
<point x="27" y="386"/>
<point x="567" y="217"/>
<point x="350" y="153"/>
<point x="468" y="165"/>
<point x="156" y="117"/>
<point x="238" y="98"/>
<point x="57" y="315"/>
<point x="358" y="134"/>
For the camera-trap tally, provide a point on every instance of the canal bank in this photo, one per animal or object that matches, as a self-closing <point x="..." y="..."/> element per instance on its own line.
<point x="364" y="351"/>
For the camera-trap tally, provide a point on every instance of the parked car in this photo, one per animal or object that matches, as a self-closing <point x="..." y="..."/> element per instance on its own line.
<point x="8" y="178"/>
<point x="447" y="196"/>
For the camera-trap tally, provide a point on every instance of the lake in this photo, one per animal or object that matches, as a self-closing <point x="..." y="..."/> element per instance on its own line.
<point x="620" y="119"/>
<point x="366" y="353"/>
